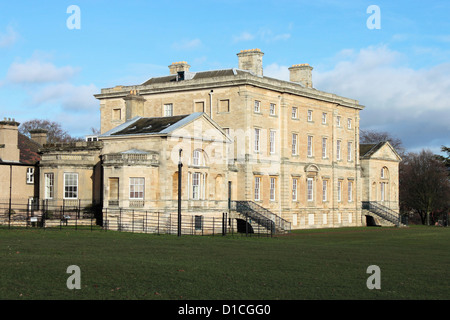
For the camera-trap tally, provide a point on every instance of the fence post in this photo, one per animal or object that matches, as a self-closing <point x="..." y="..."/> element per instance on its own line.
<point x="105" y="221"/>
<point x="157" y="224"/>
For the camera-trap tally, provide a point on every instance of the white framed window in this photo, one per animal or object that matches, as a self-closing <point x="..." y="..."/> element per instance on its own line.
<point x="324" y="118"/>
<point x="338" y="121"/>
<point x="310" y="189"/>
<point x="30" y="175"/>
<point x="324" y="148"/>
<point x="272" y="188"/>
<point x="338" y="149"/>
<point x="383" y="191"/>
<point x="310" y="146"/>
<point x="272" y="141"/>
<point x="196" y="178"/>
<point x="137" y="187"/>
<point x="257" y="107"/>
<point x="384" y="172"/>
<point x="294" y="144"/>
<point x="310" y="115"/>
<point x="257" y="188"/>
<point x="349" y="151"/>
<point x="70" y="185"/>
<point x="339" y="191"/>
<point x="197" y="158"/>
<point x="294" y="113"/>
<point x="168" y="110"/>
<point x="350" y="191"/>
<point x="324" y="190"/>
<point x="272" y="109"/>
<point x="349" y="123"/>
<point x="257" y="139"/>
<point x="294" y="189"/>
<point x="49" y="181"/>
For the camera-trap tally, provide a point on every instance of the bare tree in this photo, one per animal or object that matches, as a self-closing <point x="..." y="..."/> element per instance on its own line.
<point x="55" y="132"/>
<point x="371" y="136"/>
<point x="424" y="185"/>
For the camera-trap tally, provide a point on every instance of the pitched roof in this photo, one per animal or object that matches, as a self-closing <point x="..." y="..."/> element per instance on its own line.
<point x="154" y="125"/>
<point x="366" y="150"/>
<point x="197" y="76"/>
<point x="28" y="150"/>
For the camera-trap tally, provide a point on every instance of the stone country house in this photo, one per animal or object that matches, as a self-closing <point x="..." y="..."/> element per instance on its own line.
<point x="250" y="146"/>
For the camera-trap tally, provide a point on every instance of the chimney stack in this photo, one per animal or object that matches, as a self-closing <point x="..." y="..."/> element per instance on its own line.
<point x="251" y="60"/>
<point x="39" y="136"/>
<point x="134" y="105"/>
<point x="181" y="66"/>
<point x="301" y="73"/>
<point x="9" y="140"/>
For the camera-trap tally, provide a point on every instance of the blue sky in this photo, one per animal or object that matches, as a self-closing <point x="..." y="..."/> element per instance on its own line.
<point x="399" y="72"/>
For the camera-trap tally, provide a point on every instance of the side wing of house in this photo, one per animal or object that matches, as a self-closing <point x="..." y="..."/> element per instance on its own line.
<point x="380" y="174"/>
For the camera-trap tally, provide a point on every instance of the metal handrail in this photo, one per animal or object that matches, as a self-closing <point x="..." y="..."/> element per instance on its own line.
<point x="263" y="214"/>
<point x="382" y="211"/>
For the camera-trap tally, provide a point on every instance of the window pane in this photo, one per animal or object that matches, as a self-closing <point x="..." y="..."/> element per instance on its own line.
<point x="310" y="189"/>
<point x="257" y="188"/>
<point x="71" y="185"/>
<point x="272" y="189"/>
<point x="272" y="141"/>
<point x="294" y="189"/>
<point x="137" y="188"/>
<point x="49" y="181"/>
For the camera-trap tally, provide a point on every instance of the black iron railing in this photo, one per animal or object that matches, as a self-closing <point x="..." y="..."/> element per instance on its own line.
<point x="382" y="211"/>
<point x="262" y="216"/>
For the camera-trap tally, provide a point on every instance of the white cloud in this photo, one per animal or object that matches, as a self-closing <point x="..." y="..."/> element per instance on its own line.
<point x="244" y="36"/>
<point x="263" y="34"/>
<point x="9" y="38"/>
<point x="49" y="91"/>
<point x="412" y="104"/>
<point x="276" y="71"/>
<point x="187" y="44"/>
<point x="37" y="71"/>
<point x="70" y="97"/>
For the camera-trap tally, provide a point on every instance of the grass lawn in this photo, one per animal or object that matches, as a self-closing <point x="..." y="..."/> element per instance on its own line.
<point x="308" y="264"/>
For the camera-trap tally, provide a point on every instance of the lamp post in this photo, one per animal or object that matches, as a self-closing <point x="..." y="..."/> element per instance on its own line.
<point x="180" y="165"/>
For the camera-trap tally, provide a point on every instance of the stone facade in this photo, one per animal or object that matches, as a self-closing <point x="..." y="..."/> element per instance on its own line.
<point x="283" y="145"/>
<point x="296" y="149"/>
<point x="18" y="169"/>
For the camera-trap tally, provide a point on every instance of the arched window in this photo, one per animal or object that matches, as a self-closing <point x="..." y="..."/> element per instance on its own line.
<point x="198" y="158"/>
<point x="384" y="173"/>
